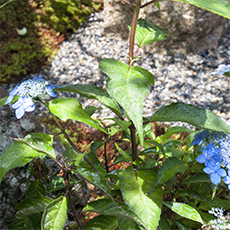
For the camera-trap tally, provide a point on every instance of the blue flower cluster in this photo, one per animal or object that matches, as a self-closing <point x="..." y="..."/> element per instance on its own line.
<point x="28" y="90"/>
<point x="215" y="155"/>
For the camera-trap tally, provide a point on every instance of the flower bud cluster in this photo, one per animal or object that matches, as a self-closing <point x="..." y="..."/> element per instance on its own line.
<point x="215" y="155"/>
<point x="28" y="90"/>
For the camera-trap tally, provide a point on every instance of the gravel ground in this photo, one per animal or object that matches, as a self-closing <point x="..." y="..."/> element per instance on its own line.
<point x="177" y="78"/>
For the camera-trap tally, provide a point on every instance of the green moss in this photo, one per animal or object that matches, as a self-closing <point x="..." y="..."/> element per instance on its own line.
<point x="47" y="23"/>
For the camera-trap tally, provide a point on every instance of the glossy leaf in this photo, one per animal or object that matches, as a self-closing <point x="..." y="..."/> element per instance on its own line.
<point x="198" y="178"/>
<point x="102" y="223"/>
<point x="220" y="7"/>
<point x="180" y="226"/>
<point x="184" y="210"/>
<point x="73" y="155"/>
<point x="40" y="142"/>
<point x="191" y="194"/>
<point x="191" y="114"/>
<point x="125" y="224"/>
<point x="22" y="223"/>
<point x="70" y="108"/>
<point x="36" y="188"/>
<point x="93" y="92"/>
<point x="94" y="177"/>
<point x="123" y="153"/>
<point x="32" y="205"/>
<point x="15" y="155"/>
<point x="55" y="215"/>
<point x="128" y="85"/>
<point x="163" y="224"/>
<point x="147" y="33"/>
<point x="134" y="189"/>
<point x="107" y="207"/>
<point x="169" y="168"/>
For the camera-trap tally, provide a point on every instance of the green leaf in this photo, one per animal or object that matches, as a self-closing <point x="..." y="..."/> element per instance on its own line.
<point x="94" y="177"/>
<point x="198" y="178"/>
<point x="172" y="130"/>
<point x="102" y="223"/>
<point x="73" y="155"/>
<point x="95" y="146"/>
<point x="191" y="114"/>
<point x="32" y="205"/>
<point x="3" y="100"/>
<point x="220" y="7"/>
<point x="191" y="194"/>
<point x="215" y="203"/>
<point x="55" y="215"/>
<point x="107" y="207"/>
<point x="36" y="188"/>
<point x="70" y="108"/>
<point x="184" y="210"/>
<point x="134" y="187"/>
<point x="125" y="224"/>
<point x="123" y="153"/>
<point x="22" y="223"/>
<point x="163" y="224"/>
<point x="147" y="33"/>
<point x="128" y="85"/>
<point x="40" y="142"/>
<point x="93" y="92"/>
<point x="169" y="168"/>
<point x="16" y="155"/>
<point x="180" y="226"/>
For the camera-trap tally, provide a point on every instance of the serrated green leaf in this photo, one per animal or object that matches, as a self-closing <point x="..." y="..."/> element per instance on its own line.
<point x="191" y="114"/>
<point x="16" y="155"/>
<point x="32" y="205"/>
<point x="102" y="223"/>
<point x="70" y="108"/>
<point x="184" y="210"/>
<point x="220" y="7"/>
<point x="173" y="130"/>
<point x="147" y="33"/>
<point x="93" y="92"/>
<point x="134" y="186"/>
<point x="128" y="85"/>
<point x="55" y="215"/>
<point x="94" y="177"/>
<point x="22" y="223"/>
<point x="36" y="188"/>
<point x="40" y="142"/>
<point x="107" y="207"/>
<point x="169" y="168"/>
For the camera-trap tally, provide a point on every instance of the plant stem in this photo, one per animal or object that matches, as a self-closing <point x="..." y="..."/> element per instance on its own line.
<point x="148" y="3"/>
<point x="128" y="3"/>
<point x="60" y="126"/>
<point x="131" y="48"/>
<point x="133" y="30"/>
<point x="106" y="160"/>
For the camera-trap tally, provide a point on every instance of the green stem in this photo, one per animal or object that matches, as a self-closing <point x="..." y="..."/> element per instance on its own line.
<point x="131" y="48"/>
<point x="59" y="125"/>
<point x="6" y="3"/>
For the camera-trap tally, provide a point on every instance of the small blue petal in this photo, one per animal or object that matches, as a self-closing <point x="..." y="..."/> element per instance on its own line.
<point x="226" y="180"/>
<point x="19" y="112"/>
<point x="9" y="99"/>
<point x="221" y="172"/>
<point x="215" y="178"/>
<point x="18" y="103"/>
<point x="208" y="170"/>
<point x="14" y="91"/>
<point x="49" y="90"/>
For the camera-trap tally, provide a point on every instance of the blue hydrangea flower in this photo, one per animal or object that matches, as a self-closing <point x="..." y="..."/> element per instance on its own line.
<point x="215" y="155"/>
<point x="28" y="90"/>
<point x="216" y="172"/>
<point x="222" y="69"/>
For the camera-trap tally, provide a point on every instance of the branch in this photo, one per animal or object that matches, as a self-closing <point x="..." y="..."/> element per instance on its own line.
<point x="128" y="3"/>
<point x="148" y="3"/>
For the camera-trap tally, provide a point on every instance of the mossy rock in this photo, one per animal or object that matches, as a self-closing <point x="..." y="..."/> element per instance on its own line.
<point x="47" y="22"/>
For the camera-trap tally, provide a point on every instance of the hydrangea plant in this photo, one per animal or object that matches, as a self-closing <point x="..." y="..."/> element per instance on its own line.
<point x="160" y="184"/>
